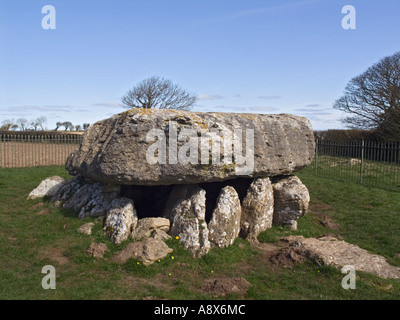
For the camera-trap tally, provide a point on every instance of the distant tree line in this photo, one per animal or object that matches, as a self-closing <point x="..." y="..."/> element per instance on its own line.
<point x="69" y="126"/>
<point x="22" y="124"/>
<point x="338" y="135"/>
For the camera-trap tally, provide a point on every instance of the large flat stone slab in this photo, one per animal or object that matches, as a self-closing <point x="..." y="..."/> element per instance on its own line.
<point x="162" y="147"/>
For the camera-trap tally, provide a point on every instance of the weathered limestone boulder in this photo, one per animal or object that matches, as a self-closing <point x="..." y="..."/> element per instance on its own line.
<point x="146" y="226"/>
<point x="88" y="199"/>
<point x="328" y="250"/>
<point x="121" y="220"/>
<point x="224" y="226"/>
<point x="186" y="208"/>
<point x="47" y="188"/>
<point x="148" y="250"/>
<point x="160" y="235"/>
<point x="66" y="190"/>
<point x="257" y="209"/>
<point x="291" y="200"/>
<point x="162" y="147"/>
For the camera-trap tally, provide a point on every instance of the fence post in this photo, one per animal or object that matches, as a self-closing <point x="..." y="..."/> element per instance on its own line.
<point x="316" y="157"/>
<point x="362" y="161"/>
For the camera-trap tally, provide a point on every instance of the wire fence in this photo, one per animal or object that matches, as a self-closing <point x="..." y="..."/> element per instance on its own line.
<point x="371" y="163"/>
<point x="30" y="150"/>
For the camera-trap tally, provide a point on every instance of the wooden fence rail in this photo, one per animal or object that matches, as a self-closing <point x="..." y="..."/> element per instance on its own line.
<point x="19" y="150"/>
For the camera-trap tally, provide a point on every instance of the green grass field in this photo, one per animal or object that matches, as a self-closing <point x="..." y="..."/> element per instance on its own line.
<point x="383" y="175"/>
<point x="34" y="236"/>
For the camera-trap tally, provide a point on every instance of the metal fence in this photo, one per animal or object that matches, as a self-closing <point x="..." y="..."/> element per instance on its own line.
<point x="371" y="163"/>
<point x="29" y="150"/>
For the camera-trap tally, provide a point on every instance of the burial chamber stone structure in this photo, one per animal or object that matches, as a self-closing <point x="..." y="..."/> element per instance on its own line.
<point x="211" y="177"/>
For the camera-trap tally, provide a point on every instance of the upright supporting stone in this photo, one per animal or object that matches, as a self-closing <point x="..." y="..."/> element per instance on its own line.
<point x="224" y="226"/>
<point x="291" y="199"/>
<point x="257" y="209"/>
<point x="121" y="220"/>
<point x="186" y="207"/>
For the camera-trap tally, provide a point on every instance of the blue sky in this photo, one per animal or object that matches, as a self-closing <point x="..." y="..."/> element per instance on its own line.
<point x="261" y="56"/>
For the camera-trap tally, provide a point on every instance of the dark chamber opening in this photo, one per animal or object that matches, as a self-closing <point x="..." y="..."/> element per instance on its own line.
<point x="150" y="201"/>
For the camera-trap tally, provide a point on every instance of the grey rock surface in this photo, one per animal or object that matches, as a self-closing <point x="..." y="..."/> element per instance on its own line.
<point x="146" y="226"/>
<point x="224" y="226"/>
<point x="186" y="208"/>
<point x="161" y="147"/>
<point x="257" y="209"/>
<point x="338" y="253"/>
<point x="47" y="188"/>
<point x="121" y="220"/>
<point x="148" y="251"/>
<point x="291" y="200"/>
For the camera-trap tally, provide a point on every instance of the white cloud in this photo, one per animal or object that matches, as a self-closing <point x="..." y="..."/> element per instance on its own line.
<point x="262" y="109"/>
<point x="109" y="104"/>
<point x="270" y="97"/>
<point x="34" y="109"/>
<point x="210" y="97"/>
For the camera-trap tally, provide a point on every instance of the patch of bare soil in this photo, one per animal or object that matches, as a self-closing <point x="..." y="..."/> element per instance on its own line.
<point x="136" y="284"/>
<point x="38" y="205"/>
<point x="319" y="211"/>
<point x="97" y="250"/>
<point x="288" y="257"/>
<point x="55" y="254"/>
<point x="220" y="287"/>
<point x="320" y="206"/>
<point x="43" y="212"/>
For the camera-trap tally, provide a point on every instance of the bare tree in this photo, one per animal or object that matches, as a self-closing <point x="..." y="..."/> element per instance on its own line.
<point x="58" y="125"/>
<point x="41" y="122"/>
<point x="67" y="125"/>
<point x="77" y="127"/>
<point x="373" y="98"/>
<point x="86" y="125"/>
<point x="156" y="92"/>
<point x="23" y="123"/>
<point x="34" y="124"/>
<point x="7" y="124"/>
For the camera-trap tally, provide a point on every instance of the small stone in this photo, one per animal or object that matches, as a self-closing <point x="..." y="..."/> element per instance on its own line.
<point x="149" y="251"/>
<point x="293" y="225"/>
<point x="86" y="228"/>
<point x="47" y="188"/>
<point x="146" y="226"/>
<point x="160" y="234"/>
